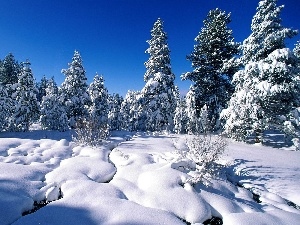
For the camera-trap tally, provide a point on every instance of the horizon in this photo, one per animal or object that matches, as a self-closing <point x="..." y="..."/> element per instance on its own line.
<point x="111" y="36"/>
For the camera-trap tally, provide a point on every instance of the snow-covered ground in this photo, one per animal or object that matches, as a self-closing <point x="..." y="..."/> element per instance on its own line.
<point x="131" y="180"/>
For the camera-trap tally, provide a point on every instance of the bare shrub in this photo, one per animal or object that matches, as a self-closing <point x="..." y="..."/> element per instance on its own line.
<point x="201" y="157"/>
<point x="90" y="132"/>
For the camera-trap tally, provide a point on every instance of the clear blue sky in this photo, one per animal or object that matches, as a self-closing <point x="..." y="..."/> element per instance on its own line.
<point x="111" y="34"/>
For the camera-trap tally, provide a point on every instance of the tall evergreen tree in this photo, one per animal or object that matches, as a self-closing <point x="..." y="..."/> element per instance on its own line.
<point x="99" y="97"/>
<point x="267" y="35"/>
<point x="159" y="60"/>
<point x="267" y="88"/>
<point x="212" y="62"/>
<point x="53" y="114"/>
<point x="159" y="94"/>
<point x="26" y="109"/>
<point x="266" y="92"/>
<point x="74" y="90"/>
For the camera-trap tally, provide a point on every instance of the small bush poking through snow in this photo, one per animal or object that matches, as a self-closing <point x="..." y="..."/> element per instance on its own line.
<point x="296" y="143"/>
<point x="89" y="132"/>
<point x="204" y="151"/>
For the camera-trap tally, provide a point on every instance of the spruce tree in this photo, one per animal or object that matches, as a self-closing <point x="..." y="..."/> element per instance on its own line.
<point x="53" y="114"/>
<point x="267" y="88"/>
<point x="180" y="117"/>
<point x="296" y="51"/>
<point x="98" y="109"/>
<point x="130" y="111"/>
<point x="5" y="107"/>
<point x="267" y="35"/>
<point x="213" y="64"/>
<point x="266" y="92"/>
<point x="191" y="112"/>
<point x="114" y="112"/>
<point x="158" y="97"/>
<point x="41" y="88"/>
<point x="26" y="109"/>
<point x="74" y="90"/>
<point x="9" y="70"/>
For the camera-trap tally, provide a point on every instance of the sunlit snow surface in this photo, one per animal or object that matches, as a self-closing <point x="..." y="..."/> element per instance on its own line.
<point x="131" y="180"/>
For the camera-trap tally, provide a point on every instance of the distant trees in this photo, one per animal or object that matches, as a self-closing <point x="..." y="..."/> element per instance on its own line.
<point x="53" y="113"/>
<point x="213" y="65"/>
<point x="5" y="107"/>
<point x="180" y="118"/>
<point x="114" y="112"/>
<point x="130" y="111"/>
<point x="255" y="85"/>
<point x="267" y="89"/>
<point x="41" y="88"/>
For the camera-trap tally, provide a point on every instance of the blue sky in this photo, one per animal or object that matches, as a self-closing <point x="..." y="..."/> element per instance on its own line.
<point x="111" y="34"/>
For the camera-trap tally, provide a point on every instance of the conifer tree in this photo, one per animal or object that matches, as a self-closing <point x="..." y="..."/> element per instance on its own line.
<point x="9" y="70"/>
<point x="114" y="112"/>
<point x="158" y="97"/>
<point x="191" y="112"/>
<point x="98" y="109"/>
<point x="213" y="64"/>
<point x="267" y="88"/>
<point x="180" y="117"/>
<point x="267" y="35"/>
<point x="53" y="114"/>
<point x="74" y="90"/>
<point x="41" y="88"/>
<point x="26" y="109"/>
<point x="5" y="107"/>
<point x="266" y="92"/>
<point x="296" y="50"/>
<point x="130" y="111"/>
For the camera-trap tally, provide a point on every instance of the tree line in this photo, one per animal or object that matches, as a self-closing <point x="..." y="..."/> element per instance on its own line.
<point x="241" y="89"/>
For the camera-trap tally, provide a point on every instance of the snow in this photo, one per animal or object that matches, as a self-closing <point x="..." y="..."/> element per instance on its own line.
<point x="138" y="179"/>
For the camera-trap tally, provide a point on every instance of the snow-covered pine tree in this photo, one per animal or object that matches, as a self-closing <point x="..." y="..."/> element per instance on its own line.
<point x="159" y="94"/>
<point x="53" y="84"/>
<point x="53" y="114"/>
<point x="180" y="117"/>
<point x="296" y="50"/>
<point x="74" y="90"/>
<point x="267" y="35"/>
<point x="114" y="112"/>
<point x="213" y="64"/>
<point x="26" y="109"/>
<point x="9" y="70"/>
<point x="266" y="92"/>
<point x="191" y="112"/>
<point x="98" y="109"/>
<point x="41" y="88"/>
<point x="267" y="88"/>
<point x="130" y="111"/>
<point x="295" y="114"/>
<point x="5" y="107"/>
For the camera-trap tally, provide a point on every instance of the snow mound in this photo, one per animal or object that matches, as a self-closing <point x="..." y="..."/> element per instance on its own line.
<point x="140" y="181"/>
